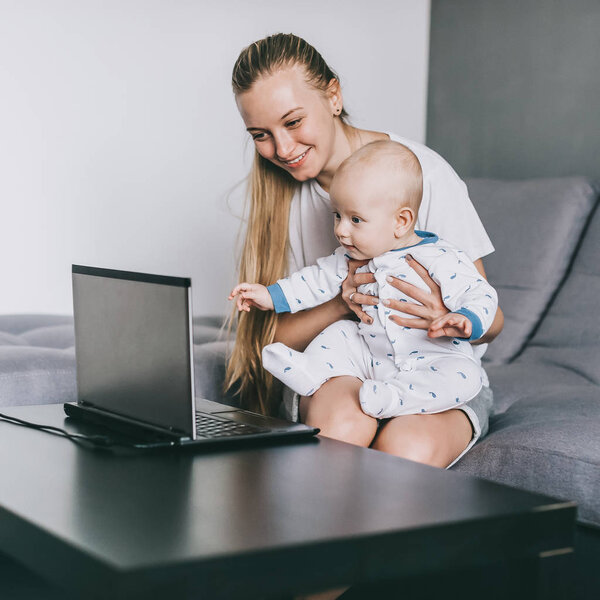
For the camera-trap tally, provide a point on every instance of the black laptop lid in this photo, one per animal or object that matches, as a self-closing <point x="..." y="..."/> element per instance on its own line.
<point x="133" y="345"/>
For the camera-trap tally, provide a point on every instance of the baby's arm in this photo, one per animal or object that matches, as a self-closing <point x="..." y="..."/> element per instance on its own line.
<point x="470" y="298"/>
<point x="311" y="286"/>
<point x="251" y="294"/>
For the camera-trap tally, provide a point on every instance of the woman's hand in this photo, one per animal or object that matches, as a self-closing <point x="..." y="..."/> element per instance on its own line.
<point x="428" y="308"/>
<point x="351" y="297"/>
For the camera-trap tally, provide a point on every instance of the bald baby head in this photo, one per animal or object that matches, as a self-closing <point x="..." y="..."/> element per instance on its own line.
<point x="389" y="168"/>
<point x="375" y="196"/>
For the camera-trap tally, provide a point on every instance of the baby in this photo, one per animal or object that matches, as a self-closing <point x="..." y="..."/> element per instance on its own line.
<point x="375" y="196"/>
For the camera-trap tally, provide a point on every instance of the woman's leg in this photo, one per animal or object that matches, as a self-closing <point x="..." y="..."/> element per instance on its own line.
<point x="334" y="408"/>
<point x="434" y="440"/>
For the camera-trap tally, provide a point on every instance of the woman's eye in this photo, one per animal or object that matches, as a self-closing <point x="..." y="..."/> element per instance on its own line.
<point x="258" y="136"/>
<point x="294" y="123"/>
<point x="356" y="219"/>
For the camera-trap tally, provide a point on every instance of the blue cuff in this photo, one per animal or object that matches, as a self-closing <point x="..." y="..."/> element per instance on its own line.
<point x="280" y="304"/>
<point x="477" y="330"/>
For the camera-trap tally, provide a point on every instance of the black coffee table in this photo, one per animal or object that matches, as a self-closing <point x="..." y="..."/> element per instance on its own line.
<point x="255" y="523"/>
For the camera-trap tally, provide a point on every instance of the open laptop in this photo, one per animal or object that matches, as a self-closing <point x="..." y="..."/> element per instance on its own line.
<point x="135" y="365"/>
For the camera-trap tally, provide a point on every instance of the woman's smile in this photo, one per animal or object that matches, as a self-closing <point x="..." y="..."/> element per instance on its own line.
<point x="294" y="163"/>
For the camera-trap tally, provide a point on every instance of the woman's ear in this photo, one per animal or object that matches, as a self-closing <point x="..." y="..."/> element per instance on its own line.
<point x="405" y="218"/>
<point x="334" y="95"/>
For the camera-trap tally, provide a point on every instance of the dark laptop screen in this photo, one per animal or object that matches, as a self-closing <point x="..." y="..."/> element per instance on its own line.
<point x="133" y="345"/>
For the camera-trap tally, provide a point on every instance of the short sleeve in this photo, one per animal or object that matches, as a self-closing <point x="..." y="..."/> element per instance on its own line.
<point x="446" y="208"/>
<point x="451" y="214"/>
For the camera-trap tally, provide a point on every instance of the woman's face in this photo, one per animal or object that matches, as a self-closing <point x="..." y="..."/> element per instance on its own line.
<point x="292" y="123"/>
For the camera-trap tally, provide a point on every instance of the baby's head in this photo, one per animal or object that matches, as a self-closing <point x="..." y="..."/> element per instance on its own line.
<point x="376" y="194"/>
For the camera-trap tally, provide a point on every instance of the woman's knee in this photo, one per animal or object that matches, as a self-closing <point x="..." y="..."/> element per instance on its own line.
<point x="417" y="446"/>
<point x="434" y="440"/>
<point x="336" y="412"/>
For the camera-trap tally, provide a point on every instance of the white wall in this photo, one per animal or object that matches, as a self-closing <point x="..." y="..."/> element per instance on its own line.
<point x="120" y="140"/>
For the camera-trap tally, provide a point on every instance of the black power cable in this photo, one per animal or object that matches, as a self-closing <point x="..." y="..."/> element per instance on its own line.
<point x="95" y="442"/>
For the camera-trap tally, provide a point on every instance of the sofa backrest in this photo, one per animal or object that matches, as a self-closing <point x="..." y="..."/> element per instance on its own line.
<point x="535" y="226"/>
<point x="569" y="334"/>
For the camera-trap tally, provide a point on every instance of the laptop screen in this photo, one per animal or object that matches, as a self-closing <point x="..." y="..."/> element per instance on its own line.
<point x="133" y="345"/>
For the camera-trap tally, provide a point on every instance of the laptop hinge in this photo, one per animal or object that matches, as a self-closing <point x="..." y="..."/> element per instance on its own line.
<point x="127" y="425"/>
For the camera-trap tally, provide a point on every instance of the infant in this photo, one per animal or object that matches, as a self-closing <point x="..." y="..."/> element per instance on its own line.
<point x="375" y="196"/>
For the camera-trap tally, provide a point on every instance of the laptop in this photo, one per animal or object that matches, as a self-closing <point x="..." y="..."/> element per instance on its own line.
<point x="135" y="366"/>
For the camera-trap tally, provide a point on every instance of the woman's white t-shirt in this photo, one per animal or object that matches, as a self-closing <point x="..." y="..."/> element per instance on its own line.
<point x="446" y="210"/>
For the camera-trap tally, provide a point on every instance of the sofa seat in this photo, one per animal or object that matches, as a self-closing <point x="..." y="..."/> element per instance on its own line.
<point x="548" y="442"/>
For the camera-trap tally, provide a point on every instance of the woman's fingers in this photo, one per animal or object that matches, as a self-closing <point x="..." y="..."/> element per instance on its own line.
<point x="362" y="278"/>
<point x="364" y="299"/>
<point x="410" y="308"/>
<point x="417" y="323"/>
<point x="423" y="273"/>
<point x="351" y="297"/>
<point x="356" y="306"/>
<point x="410" y="290"/>
<point x="362" y="315"/>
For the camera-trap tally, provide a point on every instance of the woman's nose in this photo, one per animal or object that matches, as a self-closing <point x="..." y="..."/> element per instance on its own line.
<point x="284" y="146"/>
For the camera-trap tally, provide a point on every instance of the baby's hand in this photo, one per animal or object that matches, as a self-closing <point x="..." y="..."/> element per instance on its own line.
<point x="251" y="294"/>
<point x="451" y="325"/>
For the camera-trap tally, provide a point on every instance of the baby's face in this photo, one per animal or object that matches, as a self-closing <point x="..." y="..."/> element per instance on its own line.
<point x="365" y="216"/>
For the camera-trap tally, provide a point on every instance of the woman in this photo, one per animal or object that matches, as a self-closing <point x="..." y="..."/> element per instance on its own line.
<point x="292" y="106"/>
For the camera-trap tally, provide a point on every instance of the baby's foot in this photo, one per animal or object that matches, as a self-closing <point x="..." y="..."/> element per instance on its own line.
<point x="379" y="400"/>
<point x="293" y="368"/>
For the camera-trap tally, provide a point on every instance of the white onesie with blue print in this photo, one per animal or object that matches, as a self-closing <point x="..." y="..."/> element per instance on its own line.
<point x="402" y="370"/>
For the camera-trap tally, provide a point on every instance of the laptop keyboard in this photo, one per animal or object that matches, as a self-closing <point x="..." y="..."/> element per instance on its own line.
<point x="209" y="427"/>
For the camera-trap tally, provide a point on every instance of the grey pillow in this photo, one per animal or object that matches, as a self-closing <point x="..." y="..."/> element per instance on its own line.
<point x="535" y="226"/>
<point x="568" y="338"/>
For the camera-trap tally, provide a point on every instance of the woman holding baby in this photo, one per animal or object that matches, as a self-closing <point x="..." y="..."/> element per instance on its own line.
<point x="292" y="106"/>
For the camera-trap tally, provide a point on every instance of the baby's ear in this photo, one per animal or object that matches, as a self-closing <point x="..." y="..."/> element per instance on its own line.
<point x="405" y="219"/>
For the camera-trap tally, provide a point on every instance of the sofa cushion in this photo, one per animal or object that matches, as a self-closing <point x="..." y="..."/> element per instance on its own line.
<point x="547" y="443"/>
<point x="34" y="375"/>
<point x="535" y="226"/>
<point x="569" y="335"/>
<point x="521" y="378"/>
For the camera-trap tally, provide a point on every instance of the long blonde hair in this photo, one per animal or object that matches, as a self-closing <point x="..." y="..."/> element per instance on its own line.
<point x="265" y="249"/>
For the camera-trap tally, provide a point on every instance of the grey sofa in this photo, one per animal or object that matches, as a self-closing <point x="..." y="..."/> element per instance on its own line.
<point x="544" y="368"/>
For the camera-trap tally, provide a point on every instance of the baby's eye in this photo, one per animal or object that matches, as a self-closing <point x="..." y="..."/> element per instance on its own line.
<point x="356" y="220"/>
<point x="336" y="215"/>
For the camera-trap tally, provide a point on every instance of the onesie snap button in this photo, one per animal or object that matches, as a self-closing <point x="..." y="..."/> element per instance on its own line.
<point x="406" y="366"/>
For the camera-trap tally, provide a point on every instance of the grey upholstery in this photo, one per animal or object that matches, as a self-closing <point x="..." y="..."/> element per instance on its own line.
<point x="546" y="442"/>
<point x="534" y="226"/>
<point x="544" y="368"/>
<point x="37" y="358"/>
